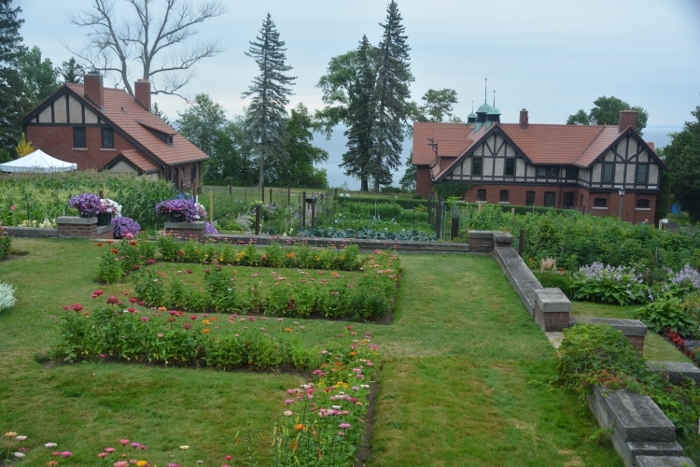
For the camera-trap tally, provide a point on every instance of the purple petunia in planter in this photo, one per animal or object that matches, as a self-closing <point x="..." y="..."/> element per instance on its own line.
<point x="123" y="226"/>
<point x="87" y="204"/>
<point x="183" y="208"/>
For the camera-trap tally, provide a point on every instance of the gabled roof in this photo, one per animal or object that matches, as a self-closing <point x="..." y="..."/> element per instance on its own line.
<point x="141" y="126"/>
<point x="579" y="145"/>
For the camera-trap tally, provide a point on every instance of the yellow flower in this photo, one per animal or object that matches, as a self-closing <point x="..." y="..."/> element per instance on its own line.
<point x="142" y="463"/>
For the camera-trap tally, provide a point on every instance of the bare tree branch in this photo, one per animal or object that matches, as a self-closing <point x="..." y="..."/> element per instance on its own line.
<point x="154" y="35"/>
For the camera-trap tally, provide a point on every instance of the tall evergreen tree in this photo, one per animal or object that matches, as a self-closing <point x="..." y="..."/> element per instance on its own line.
<point x="267" y="114"/>
<point x="12" y="100"/>
<point x="391" y="94"/>
<point x="362" y="111"/>
<point x="72" y="71"/>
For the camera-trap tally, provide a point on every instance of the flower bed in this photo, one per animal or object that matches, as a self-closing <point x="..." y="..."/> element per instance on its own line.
<point x="326" y="417"/>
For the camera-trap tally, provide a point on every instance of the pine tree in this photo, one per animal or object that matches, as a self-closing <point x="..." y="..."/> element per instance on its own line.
<point x="362" y="113"/>
<point x="392" y="94"/>
<point x="72" y="71"/>
<point x="267" y="115"/>
<point x="12" y="99"/>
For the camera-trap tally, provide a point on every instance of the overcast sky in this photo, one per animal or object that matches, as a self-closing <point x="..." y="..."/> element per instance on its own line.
<point x="552" y="57"/>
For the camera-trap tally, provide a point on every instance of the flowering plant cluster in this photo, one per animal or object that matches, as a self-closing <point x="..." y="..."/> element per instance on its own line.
<point x="180" y="207"/>
<point x="201" y="211"/>
<point x="690" y="347"/>
<point x="607" y="284"/>
<point x="124" y="226"/>
<point x="130" y="331"/>
<point x="45" y="224"/>
<point x="274" y="255"/>
<point x="7" y="298"/>
<point x="295" y="294"/>
<point x="324" y="421"/>
<point x="210" y="229"/>
<point x="121" y="258"/>
<point x="107" y="206"/>
<point x="87" y="204"/>
<point x="130" y="453"/>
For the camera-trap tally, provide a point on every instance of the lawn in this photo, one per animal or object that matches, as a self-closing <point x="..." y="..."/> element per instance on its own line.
<point x="465" y="378"/>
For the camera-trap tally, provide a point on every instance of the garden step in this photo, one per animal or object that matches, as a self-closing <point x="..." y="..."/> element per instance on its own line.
<point x="634" y="418"/>
<point x="665" y="461"/>
<point x="633" y="450"/>
<point x="676" y="372"/>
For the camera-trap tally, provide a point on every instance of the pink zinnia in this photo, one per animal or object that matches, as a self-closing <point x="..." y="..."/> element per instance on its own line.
<point x="103" y="454"/>
<point x="66" y="454"/>
<point x="112" y="299"/>
<point x="124" y="442"/>
<point x="98" y="292"/>
<point x="121" y="464"/>
<point x="76" y="307"/>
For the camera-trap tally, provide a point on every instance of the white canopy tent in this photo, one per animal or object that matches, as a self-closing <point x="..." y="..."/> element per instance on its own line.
<point x="37" y="162"/>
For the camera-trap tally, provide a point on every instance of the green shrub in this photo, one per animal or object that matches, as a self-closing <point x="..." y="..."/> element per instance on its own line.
<point x="606" y="284"/>
<point x="555" y="280"/>
<point x="5" y="243"/>
<point x="599" y="355"/>
<point x="668" y="312"/>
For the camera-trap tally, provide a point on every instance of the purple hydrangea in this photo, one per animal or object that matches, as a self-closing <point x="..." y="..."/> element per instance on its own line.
<point x="124" y="225"/>
<point x="87" y="204"/>
<point x="210" y="229"/>
<point x="183" y="207"/>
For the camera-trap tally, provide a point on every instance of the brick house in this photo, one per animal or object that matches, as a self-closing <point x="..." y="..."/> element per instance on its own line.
<point x="107" y="129"/>
<point x="600" y="169"/>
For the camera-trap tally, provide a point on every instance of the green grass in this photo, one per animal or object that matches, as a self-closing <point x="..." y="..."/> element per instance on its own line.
<point x="464" y="381"/>
<point x="656" y="348"/>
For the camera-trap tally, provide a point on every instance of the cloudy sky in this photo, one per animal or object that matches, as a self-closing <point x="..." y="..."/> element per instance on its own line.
<point x="552" y="57"/>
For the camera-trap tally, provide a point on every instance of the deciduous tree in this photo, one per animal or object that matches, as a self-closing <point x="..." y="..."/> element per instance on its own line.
<point x="607" y="112"/>
<point x="39" y="77"/>
<point x="154" y="33"/>
<point x="270" y="90"/>
<point x="683" y="159"/>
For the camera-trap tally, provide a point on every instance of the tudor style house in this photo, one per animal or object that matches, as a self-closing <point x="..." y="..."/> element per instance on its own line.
<point x="599" y="169"/>
<point x="107" y="129"/>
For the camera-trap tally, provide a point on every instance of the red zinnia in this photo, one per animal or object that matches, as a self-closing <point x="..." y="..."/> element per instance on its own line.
<point x="112" y="300"/>
<point x="98" y="292"/>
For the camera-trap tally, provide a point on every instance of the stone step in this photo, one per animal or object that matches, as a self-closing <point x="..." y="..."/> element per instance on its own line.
<point x="676" y="372"/>
<point x="675" y="461"/>
<point x="631" y="451"/>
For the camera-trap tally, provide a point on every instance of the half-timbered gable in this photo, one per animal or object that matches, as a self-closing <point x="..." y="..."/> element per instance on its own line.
<point x="590" y="168"/>
<point x="107" y="129"/>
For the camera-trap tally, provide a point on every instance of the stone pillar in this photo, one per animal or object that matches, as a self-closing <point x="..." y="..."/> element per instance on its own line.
<point x="552" y="309"/>
<point x="481" y="241"/>
<point x="502" y="239"/>
<point x="185" y="230"/>
<point x="76" y="227"/>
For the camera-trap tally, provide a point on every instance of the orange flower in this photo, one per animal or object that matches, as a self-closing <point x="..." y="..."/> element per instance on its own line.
<point x="290" y="255"/>
<point x="299" y="427"/>
<point x="205" y="331"/>
<point x="352" y="354"/>
<point x="162" y="308"/>
<point x="287" y="329"/>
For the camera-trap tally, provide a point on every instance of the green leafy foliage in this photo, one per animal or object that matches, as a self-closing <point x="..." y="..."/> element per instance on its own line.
<point x="682" y="157"/>
<point x="5" y="244"/>
<point x="40" y="196"/>
<point x="669" y="312"/>
<point x="596" y="283"/>
<point x="599" y="355"/>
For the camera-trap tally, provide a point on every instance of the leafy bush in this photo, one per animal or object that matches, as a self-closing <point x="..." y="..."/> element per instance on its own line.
<point x="555" y="280"/>
<point x="7" y="297"/>
<point x="668" y="312"/>
<point x="5" y="243"/>
<point x="599" y="355"/>
<point x="606" y="284"/>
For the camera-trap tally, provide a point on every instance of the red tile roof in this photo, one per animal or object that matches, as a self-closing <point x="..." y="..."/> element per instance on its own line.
<point x="133" y="119"/>
<point x="139" y="160"/>
<point x="578" y="145"/>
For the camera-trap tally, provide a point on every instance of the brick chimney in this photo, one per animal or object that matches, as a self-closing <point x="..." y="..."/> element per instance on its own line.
<point x="93" y="88"/>
<point x="628" y="118"/>
<point x="523" y="119"/>
<point x="142" y="91"/>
